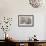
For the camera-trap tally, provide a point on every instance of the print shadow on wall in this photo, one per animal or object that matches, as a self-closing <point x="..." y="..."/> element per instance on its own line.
<point x="25" y="20"/>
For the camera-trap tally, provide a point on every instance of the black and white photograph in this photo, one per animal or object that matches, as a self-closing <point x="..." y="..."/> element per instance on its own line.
<point x="25" y="20"/>
<point x="36" y="3"/>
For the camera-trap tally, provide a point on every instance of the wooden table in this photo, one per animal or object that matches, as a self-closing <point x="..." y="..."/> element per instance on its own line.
<point x="30" y="43"/>
<point x="27" y="42"/>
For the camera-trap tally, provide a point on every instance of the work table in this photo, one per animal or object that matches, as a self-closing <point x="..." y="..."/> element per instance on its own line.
<point x="30" y="41"/>
<point x="44" y="41"/>
<point x="24" y="42"/>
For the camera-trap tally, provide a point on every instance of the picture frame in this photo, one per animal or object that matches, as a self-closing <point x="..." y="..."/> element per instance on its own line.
<point x="25" y="20"/>
<point x="37" y="3"/>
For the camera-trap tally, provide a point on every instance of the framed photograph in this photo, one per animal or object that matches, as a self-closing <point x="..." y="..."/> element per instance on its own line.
<point x="25" y="20"/>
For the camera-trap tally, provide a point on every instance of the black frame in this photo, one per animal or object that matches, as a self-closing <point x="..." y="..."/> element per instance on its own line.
<point x="26" y="25"/>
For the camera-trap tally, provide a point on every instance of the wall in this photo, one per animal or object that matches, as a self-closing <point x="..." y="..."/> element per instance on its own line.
<point x="13" y="8"/>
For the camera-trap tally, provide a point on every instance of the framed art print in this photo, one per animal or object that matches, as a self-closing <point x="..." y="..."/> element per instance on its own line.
<point x="25" y="20"/>
<point x="36" y="3"/>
